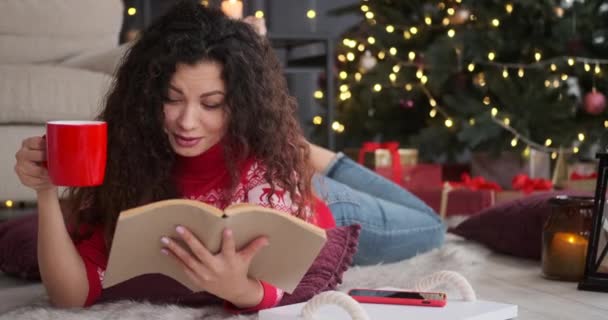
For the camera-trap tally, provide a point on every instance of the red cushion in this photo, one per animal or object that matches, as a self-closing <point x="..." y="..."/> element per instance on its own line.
<point x="513" y="227"/>
<point x="18" y="247"/>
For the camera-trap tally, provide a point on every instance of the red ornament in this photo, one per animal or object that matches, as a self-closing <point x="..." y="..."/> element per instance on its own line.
<point x="595" y="102"/>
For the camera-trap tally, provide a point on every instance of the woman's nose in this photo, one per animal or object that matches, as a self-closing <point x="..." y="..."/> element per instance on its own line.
<point x="188" y="119"/>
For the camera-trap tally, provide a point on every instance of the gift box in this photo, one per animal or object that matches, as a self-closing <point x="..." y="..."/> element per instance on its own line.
<point x="381" y="158"/>
<point x="502" y="168"/>
<point x="582" y="176"/>
<point x="522" y="186"/>
<point x="385" y="156"/>
<point x="456" y="201"/>
<point x="420" y="176"/>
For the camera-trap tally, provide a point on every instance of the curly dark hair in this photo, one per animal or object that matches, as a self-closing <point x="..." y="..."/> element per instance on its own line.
<point x="261" y="115"/>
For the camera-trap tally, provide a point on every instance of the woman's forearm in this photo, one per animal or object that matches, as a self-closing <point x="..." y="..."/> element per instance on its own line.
<point x="61" y="267"/>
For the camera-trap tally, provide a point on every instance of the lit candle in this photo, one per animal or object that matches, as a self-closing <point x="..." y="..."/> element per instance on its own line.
<point x="233" y="8"/>
<point x="565" y="256"/>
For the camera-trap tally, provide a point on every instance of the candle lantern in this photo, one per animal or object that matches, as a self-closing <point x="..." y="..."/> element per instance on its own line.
<point x="566" y="237"/>
<point x="595" y="276"/>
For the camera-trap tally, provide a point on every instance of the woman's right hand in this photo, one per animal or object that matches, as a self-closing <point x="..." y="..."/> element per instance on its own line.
<point x="29" y="167"/>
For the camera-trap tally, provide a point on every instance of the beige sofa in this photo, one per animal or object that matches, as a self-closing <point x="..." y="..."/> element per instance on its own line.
<point x="57" y="58"/>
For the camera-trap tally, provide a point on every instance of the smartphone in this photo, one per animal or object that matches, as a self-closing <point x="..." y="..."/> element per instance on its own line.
<point x="428" y="299"/>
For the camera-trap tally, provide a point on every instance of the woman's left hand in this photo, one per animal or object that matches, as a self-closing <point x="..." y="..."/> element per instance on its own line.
<point x="223" y="274"/>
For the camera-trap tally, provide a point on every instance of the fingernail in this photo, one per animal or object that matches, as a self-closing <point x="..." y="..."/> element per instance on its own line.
<point x="164" y="240"/>
<point x="179" y="229"/>
<point x="164" y="251"/>
<point x="228" y="232"/>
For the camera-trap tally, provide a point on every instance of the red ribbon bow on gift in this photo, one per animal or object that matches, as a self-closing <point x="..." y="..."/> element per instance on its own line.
<point x="578" y="176"/>
<point x="476" y="183"/>
<point x="526" y="184"/>
<point x="393" y="148"/>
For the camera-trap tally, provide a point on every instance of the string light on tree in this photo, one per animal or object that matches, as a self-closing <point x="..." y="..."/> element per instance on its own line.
<point x="259" y="14"/>
<point x="132" y="11"/>
<point x="581" y="137"/>
<point x="317" y="120"/>
<point x="570" y="62"/>
<point x="514" y="142"/>
<point x="311" y="14"/>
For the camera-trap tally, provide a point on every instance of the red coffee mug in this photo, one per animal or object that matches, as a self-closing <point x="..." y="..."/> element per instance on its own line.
<point x="76" y="152"/>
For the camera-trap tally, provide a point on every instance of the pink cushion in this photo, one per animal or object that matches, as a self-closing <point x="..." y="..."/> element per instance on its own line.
<point x="513" y="227"/>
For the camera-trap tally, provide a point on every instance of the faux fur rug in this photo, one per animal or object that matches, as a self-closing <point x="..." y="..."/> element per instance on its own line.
<point x="456" y="255"/>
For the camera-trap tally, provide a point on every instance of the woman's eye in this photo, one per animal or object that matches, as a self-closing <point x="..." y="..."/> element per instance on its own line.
<point x="212" y="105"/>
<point x="169" y="100"/>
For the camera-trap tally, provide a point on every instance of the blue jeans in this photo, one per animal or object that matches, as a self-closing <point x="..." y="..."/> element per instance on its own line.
<point x="395" y="224"/>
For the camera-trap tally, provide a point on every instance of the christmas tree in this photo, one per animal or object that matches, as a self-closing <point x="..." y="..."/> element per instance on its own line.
<point x="479" y="75"/>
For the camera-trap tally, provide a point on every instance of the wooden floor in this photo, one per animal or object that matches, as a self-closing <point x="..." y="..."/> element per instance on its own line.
<point x="519" y="282"/>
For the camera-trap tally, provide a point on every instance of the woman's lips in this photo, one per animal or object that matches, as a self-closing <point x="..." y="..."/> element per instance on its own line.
<point x="186" y="142"/>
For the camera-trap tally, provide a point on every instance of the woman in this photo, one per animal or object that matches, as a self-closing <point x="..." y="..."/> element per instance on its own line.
<point x="200" y="110"/>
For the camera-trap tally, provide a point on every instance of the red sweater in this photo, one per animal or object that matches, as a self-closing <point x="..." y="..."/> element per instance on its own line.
<point x="205" y="178"/>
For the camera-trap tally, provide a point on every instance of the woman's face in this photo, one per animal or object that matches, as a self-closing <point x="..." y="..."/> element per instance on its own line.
<point x="195" y="115"/>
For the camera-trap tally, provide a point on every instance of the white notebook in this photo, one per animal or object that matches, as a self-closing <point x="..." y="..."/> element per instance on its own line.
<point x="453" y="310"/>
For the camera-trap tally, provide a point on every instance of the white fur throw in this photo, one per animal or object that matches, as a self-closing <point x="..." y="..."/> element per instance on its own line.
<point x="457" y="255"/>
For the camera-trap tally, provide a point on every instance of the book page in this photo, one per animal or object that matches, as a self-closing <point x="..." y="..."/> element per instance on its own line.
<point x="293" y="243"/>
<point x="136" y="245"/>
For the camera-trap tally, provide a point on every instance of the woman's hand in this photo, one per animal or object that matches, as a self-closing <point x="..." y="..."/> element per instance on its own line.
<point x="223" y="274"/>
<point x="258" y="24"/>
<point x="29" y="166"/>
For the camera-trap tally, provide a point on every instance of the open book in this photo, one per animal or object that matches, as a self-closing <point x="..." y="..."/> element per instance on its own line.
<point x="293" y="243"/>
